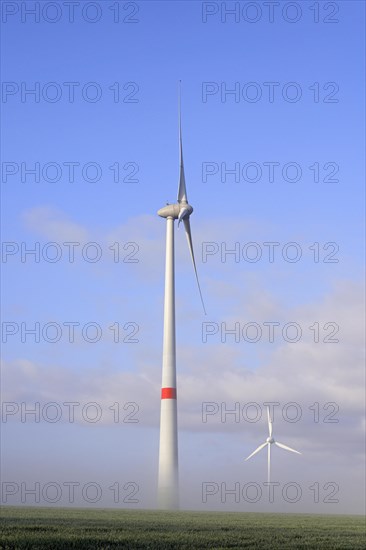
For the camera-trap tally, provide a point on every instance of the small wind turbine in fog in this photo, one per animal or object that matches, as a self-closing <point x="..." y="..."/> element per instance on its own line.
<point x="269" y="441"/>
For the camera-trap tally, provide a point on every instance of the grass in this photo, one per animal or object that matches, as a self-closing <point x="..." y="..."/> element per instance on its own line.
<point x="73" y="528"/>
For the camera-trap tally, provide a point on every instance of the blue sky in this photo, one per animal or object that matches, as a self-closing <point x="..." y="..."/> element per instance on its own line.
<point x="168" y="42"/>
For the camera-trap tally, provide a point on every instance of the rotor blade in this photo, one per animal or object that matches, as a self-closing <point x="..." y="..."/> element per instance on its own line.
<point x="187" y="226"/>
<point x="182" y="191"/>
<point x="286" y="448"/>
<point x="269" y="464"/>
<point x="257" y="450"/>
<point x="269" y="423"/>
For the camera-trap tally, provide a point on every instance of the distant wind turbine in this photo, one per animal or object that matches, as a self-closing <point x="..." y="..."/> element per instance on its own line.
<point x="269" y="441"/>
<point x="168" y="485"/>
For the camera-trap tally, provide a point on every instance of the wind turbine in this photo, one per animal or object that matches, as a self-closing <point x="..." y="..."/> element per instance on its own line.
<point x="269" y="441"/>
<point x="168" y="485"/>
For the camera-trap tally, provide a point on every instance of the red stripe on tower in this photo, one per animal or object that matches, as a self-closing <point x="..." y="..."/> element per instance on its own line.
<point x="168" y="393"/>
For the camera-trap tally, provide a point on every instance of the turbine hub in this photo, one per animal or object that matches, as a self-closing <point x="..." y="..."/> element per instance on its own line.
<point x="185" y="211"/>
<point x="270" y="440"/>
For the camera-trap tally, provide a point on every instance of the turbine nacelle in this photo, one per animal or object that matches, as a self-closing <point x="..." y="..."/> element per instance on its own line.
<point x="176" y="211"/>
<point x="270" y="440"/>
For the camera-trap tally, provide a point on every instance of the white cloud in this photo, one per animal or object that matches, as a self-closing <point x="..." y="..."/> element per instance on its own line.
<point x="304" y="372"/>
<point x="54" y="225"/>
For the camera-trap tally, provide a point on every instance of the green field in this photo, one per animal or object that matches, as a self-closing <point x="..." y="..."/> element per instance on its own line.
<point x="61" y="528"/>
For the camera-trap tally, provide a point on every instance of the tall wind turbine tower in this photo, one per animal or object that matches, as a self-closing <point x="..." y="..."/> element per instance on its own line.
<point x="168" y="483"/>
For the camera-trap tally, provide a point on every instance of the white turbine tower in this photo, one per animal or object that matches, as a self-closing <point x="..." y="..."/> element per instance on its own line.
<point x="269" y="441"/>
<point x="168" y="486"/>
